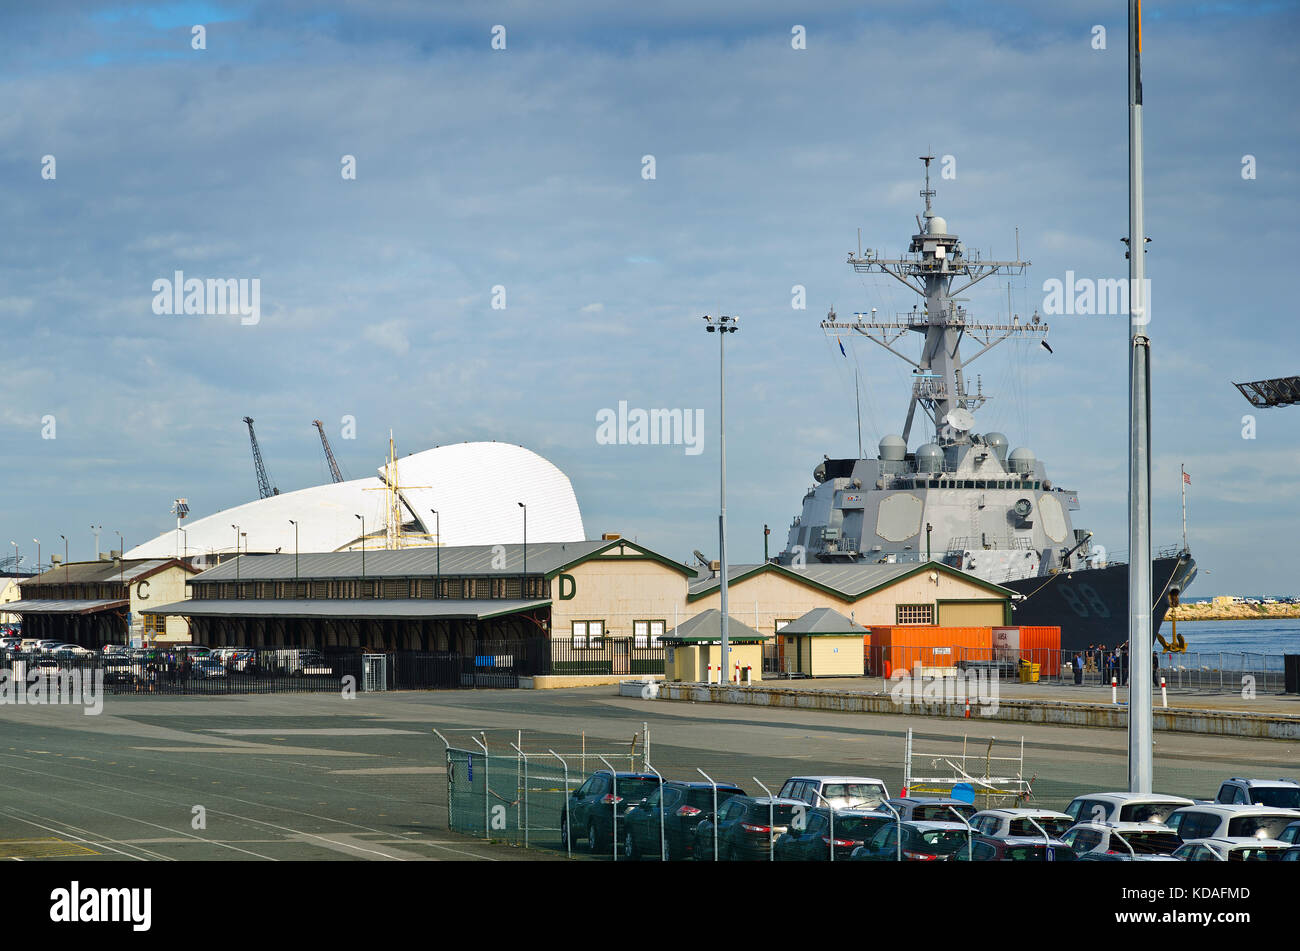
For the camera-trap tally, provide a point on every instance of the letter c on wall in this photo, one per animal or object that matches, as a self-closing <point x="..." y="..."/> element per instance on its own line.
<point x="139" y="590"/>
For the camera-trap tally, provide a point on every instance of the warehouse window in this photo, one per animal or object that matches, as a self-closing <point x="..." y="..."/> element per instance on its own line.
<point x="647" y="633"/>
<point x="914" y="614"/>
<point x="588" y="635"/>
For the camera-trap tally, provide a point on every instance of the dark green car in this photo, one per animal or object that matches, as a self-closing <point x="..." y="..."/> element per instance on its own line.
<point x="812" y="842"/>
<point x="683" y="806"/>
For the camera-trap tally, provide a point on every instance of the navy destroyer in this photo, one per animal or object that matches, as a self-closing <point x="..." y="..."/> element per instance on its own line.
<point x="960" y="497"/>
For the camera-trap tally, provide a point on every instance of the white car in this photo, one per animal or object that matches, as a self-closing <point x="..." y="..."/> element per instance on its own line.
<point x="1125" y="807"/>
<point x="1279" y="793"/>
<point x="1231" y="849"/>
<point x="1219" y="820"/>
<point x="1016" y="823"/>
<point x="1139" y="841"/>
<point x="842" y="792"/>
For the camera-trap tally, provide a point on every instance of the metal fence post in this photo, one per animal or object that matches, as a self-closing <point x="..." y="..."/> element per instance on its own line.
<point x="524" y="798"/>
<point x="613" y="831"/>
<point x="447" y="770"/>
<point x="661" y="808"/>
<point x="568" y="821"/>
<point x="830" y="809"/>
<point x="898" y="818"/>
<point x="771" y="821"/>
<point x="970" y="840"/>
<point x="1047" y="840"/>
<point x="715" y="810"/>
<point x="487" y="788"/>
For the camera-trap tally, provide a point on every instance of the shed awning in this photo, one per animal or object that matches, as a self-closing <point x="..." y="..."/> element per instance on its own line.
<point x="412" y="609"/>
<point x="54" y="606"/>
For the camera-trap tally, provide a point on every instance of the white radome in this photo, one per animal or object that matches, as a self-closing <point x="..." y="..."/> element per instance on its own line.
<point x="475" y="486"/>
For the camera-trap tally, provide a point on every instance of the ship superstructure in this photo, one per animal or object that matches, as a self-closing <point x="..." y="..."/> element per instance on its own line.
<point x="962" y="497"/>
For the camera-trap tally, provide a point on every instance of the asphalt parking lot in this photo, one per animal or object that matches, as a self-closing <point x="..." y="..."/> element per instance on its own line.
<point x="292" y="777"/>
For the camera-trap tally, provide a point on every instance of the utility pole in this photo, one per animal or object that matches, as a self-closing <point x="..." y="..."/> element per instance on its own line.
<point x="725" y="324"/>
<point x="1139" y="458"/>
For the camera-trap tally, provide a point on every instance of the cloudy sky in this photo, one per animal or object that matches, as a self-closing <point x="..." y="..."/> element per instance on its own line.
<point x="523" y="167"/>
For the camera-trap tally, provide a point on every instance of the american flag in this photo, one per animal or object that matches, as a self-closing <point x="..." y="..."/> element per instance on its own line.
<point x="1187" y="480"/>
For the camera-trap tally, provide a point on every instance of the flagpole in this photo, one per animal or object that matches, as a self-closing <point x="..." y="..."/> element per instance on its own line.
<point x="1183" y="484"/>
<point x="858" y="401"/>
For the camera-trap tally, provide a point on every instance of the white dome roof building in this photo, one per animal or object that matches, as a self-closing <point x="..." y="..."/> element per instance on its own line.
<point x="476" y="488"/>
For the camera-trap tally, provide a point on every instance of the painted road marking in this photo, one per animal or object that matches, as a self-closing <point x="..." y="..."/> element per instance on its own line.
<point x="50" y="848"/>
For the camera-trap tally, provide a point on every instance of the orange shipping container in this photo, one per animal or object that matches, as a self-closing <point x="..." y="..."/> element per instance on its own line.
<point x="894" y="647"/>
<point x="1042" y="645"/>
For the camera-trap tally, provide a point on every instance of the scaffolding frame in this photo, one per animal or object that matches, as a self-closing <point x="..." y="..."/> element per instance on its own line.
<point x="970" y="767"/>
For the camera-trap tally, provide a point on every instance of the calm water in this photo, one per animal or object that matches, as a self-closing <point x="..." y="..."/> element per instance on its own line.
<point x="1277" y="636"/>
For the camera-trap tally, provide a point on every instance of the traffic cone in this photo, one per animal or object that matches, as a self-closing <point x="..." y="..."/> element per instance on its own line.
<point x="967" y="709"/>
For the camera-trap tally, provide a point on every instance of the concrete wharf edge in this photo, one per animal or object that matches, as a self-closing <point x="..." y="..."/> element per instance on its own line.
<point x="1052" y="712"/>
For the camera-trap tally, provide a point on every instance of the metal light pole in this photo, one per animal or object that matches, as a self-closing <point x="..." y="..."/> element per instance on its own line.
<point x="38" y="554"/>
<point x="1139" y="455"/>
<point x="437" y="528"/>
<point x="65" y="558"/>
<point x="95" y="530"/>
<point x="236" y="528"/>
<point x="523" y="586"/>
<point x="725" y="324"/>
<point x="363" y="545"/>
<point x="295" y="548"/>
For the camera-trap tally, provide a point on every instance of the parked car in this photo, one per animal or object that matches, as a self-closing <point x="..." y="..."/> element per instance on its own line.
<point x="120" y="667"/>
<point x="1291" y="834"/>
<point x="1217" y="820"/>
<point x="747" y="827"/>
<point x="71" y="652"/>
<point x="10" y="643"/>
<point x="1292" y="854"/>
<point x="1020" y="823"/>
<point x="1279" y="793"/>
<point x="851" y="828"/>
<point x="47" y="644"/>
<point x="1124" y="807"/>
<point x="684" y="806"/>
<point x="922" y="841"/>
<point x="840" y="792"/>
<point x="1231" y="849"/>
<point x="930" y="809"/>
<point x="1139" y="840"/>
<point x="595" y="809"/>
<point x="1016" y="849"/>
<point x="206" y="667"/>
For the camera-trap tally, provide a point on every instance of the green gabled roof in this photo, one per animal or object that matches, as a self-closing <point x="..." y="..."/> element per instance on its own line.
<point x="706" y="628"/>
<point x="642" y="553"/>
<point x="847" y="582"/>
<point x="823" y="622"/>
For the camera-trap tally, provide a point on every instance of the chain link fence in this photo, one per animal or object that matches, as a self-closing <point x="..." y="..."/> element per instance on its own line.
<point x="1220" y="671"/>
<point x="519" y="796"/>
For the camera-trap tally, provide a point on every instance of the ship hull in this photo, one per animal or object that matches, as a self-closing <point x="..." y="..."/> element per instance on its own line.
<point x="1091" y="606"/>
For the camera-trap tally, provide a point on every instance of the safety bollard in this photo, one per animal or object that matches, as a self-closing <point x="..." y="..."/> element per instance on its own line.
<point x="1114" y="686"/>
<point x="1164" y="696"/>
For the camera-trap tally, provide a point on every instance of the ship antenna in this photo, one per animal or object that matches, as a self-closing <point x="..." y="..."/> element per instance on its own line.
<point x="927" y="193"/>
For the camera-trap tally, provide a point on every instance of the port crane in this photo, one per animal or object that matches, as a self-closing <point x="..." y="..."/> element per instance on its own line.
<point x="264" y="488"/>
<point x="335" y="474"/>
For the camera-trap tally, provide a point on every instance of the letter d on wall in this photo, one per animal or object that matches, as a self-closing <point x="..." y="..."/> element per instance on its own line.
<point x="568" y="587"/>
